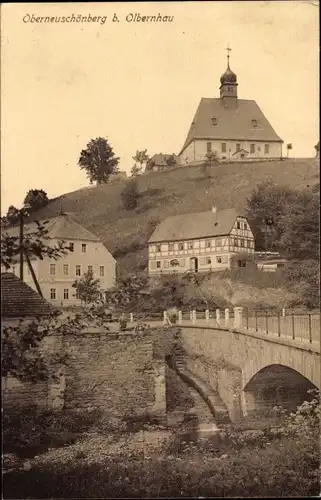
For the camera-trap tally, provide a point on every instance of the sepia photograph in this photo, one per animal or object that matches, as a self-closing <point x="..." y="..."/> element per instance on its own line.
<point x="160" y="249"/>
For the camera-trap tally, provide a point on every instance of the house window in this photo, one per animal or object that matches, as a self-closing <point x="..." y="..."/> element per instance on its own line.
<point x="171" y="247"/>
<point x="218" y="243"/>
<point x="241" y="263"/>
<point x="254" y="123"/>
<point x="238" y="225"/>
<point x="66" y="269"/>
<point x="158" y="248"/>
<point x="242" y="243"/>
<point x="266" y="149"/>
<point x="238" y="147"/>
<point x="71" y="247"/>
<point x="245" y="225"/>
<point x="236" y="242"/>
<point x="219" y="259"/>
<point x="214" y="121"/>
<point x="230" y="89"/>
<point x="190" y="245"/>
<point x="223" y="147"/>
<point x="90" y="269"/>
<point x="52" y="293"/>
<point x="208" y="243"/>
<point x="252" y="149"/>
<point x="209" y="147"/>
<point x="83" y="247"/>
<point x="77" y="270"/>
<point x="181" y="246"/>
<point x="66" y="293"/>
<point x="208" y="260"/>
<point x="166" y="263"/>
<point x="101" y="271"/>
<point x="158" y="264"/>
<point x="52" y="269"/>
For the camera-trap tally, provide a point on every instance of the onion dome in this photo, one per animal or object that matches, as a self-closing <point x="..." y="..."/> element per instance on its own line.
<point x="228" y="76"/>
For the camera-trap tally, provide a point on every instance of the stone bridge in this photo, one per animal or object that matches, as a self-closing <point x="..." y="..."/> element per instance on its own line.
<point x="251" y="371"/>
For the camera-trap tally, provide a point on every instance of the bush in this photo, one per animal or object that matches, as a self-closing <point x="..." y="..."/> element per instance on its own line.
<point x="130" y="195"/>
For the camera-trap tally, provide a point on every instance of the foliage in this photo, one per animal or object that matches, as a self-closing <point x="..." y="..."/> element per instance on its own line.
<point x="212" y="158"/>
<point x="98" y="160"/>
<point x="142" y="158"/>
<point x="34" y="244"/>
<point x="11" y="218"/>
<point x="36" y="198"/>
<point x="88" y="289"/>
<point x="129" y="289"/>
<point x="171" y="161"/>
<point x="136" y="170"/>
<point x="130" y="195"/>
<point x="172" y="314"/>
<point x="303" y="279"/>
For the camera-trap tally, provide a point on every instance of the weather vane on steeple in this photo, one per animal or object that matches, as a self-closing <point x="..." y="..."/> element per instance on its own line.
<point x="228" y="50"/>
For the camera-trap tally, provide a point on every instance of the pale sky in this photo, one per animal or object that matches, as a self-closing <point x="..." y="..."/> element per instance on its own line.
<point x="139" y="84"/>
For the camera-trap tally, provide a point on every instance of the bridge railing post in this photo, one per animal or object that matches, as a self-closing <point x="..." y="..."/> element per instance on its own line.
<point x="165" y="318"/>
<point x="227" y="317"/>
<point x="194" y="317"/>
<point x="207" y="316"/>
<point x="180" y="317"/>
<point x="191" y="316"/>
<point x="131" y="318"/>
<point x="218" y="317"/>
<point x="310" y="329"/>
<point x="238" y="317"/>
<point x="293" y="333"/>
<point x="279" y="325"/>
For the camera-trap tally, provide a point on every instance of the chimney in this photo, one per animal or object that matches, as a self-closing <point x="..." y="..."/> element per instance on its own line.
<point x="214" y="209"/>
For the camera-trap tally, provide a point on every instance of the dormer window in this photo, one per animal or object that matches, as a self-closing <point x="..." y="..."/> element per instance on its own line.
<point x="214" y="121"/>
<point x="254" y="123"/>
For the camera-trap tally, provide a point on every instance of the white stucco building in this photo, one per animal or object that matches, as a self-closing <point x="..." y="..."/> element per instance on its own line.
<point x="56" y="277"/>
<point x="235" y="129"/>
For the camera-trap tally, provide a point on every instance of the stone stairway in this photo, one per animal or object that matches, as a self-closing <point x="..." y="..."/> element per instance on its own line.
<point x="201" y="392"/>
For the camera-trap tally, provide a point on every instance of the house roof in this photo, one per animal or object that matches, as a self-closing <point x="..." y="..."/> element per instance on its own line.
<point x="197" y="225"/>
<point x="232" y="123"/>
<point x="18" y="300"/>
<point x="61" y="227"/>
<point x="160" y="159"/>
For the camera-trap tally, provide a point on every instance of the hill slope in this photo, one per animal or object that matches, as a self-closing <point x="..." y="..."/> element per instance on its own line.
<point x="176" y="191"/>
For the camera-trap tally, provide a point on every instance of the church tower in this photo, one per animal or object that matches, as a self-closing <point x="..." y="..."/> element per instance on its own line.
<point x="228" y="88"/>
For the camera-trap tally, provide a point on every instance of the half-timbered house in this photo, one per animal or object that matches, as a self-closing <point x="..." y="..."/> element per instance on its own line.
<point x="204" y="241"/>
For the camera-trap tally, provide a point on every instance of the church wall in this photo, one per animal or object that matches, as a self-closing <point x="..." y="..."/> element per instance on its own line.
<point x="197" y="150"/>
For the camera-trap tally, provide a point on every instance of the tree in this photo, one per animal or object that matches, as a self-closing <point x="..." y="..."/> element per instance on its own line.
<point x="303" y="279"/>
<point x="171" y="161"/>
<point x="212" y="159"/>
<point x="36" y="198"/>
<point x="129" y="290"/>
<point x="288" y="148"/>
<point x="98" y="160"/>
<point x="136" y="170"/>
<point x="34" y="243"/>
<point x="12" y="216"/>
<point x="130" y="195"/>
<point x="88" y="289"/>
<point x="141" y="157"/>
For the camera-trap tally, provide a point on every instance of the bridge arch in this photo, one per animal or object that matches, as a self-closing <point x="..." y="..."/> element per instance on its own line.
<point x="276" y="385"/>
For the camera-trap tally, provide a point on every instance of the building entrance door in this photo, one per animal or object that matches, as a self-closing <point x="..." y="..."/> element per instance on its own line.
<point x="193" y="264"/>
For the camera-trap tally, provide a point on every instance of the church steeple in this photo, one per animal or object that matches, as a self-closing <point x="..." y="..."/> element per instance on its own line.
<point x="228" y="88"/>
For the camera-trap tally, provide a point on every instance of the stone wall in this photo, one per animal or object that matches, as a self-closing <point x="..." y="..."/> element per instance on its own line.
<point x="116" y="372"/>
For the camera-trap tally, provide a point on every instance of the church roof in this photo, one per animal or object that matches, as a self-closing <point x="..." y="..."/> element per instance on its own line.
<point x="61" y="227"/>
<point x="18" y="300"/>
<point x="232" y="123"/>
<point x="197" y="225"/>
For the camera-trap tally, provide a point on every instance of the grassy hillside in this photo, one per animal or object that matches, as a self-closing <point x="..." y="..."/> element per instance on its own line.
<point x="179" y="190"/>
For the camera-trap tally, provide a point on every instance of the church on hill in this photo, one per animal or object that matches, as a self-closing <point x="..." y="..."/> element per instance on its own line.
<point x="232" y="128"/>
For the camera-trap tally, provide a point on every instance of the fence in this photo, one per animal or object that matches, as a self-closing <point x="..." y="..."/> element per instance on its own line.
<point x="298" y="327"/>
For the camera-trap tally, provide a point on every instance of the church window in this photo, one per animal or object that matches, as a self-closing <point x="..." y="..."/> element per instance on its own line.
<point x="266" y="149"/>
<point x="171" y="247"/>
<point x="254" y="123"/>
<point x="252" y="150"/>
<point x="181" y="246"/>
<point x="259" y="149"/>
<point x="230" y="89"/>
<point x="214" y="120"/>
<point x="238" y="147"/>
<point x="223" y="147"/>
<point x="209" y="147"/>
